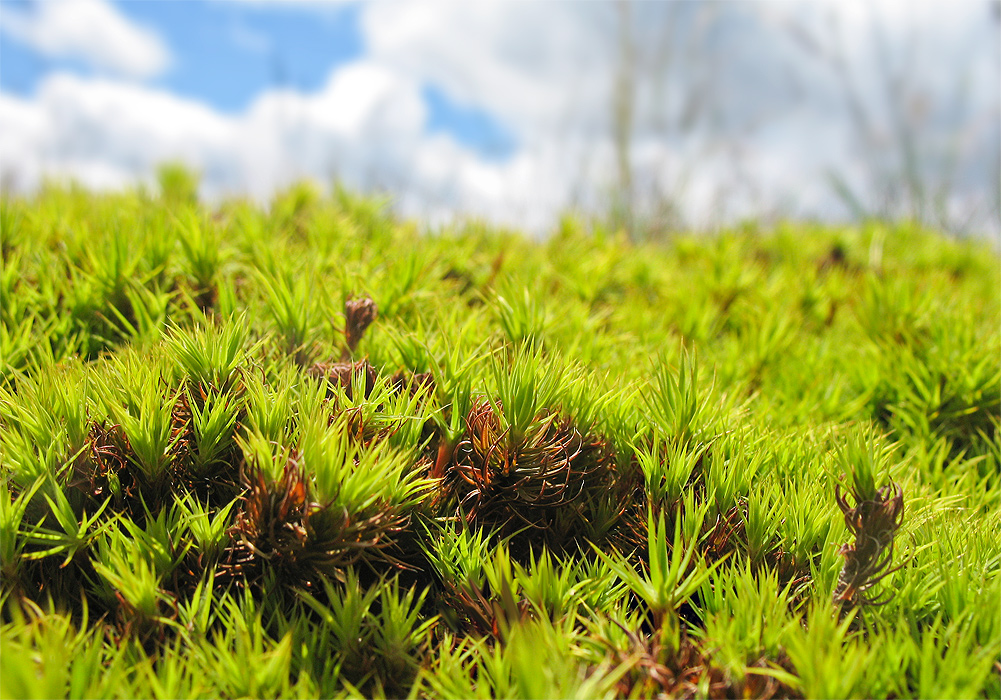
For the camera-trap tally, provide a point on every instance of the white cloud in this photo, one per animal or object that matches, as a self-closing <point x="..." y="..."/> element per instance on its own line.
<point x="91" y="30"/>
<point x="527" y="64"/>
<point x="104" y="133"/>
<point x="364" y="125"/>
<point x="24" y="130"/>
<point x="731" y="117"/>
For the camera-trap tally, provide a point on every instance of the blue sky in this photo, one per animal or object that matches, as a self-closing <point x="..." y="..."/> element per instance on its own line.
<point x="224" y="53"/>
<point x="507" y="110"/>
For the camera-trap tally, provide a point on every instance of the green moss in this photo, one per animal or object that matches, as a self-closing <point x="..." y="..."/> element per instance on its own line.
<point x="314" y="451"/>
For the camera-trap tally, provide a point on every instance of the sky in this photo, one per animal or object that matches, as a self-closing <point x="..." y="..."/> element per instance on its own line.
<point x="683" y="114"/>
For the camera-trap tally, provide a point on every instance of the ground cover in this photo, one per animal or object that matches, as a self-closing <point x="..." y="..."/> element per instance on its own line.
<point x="309" y="450"/>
